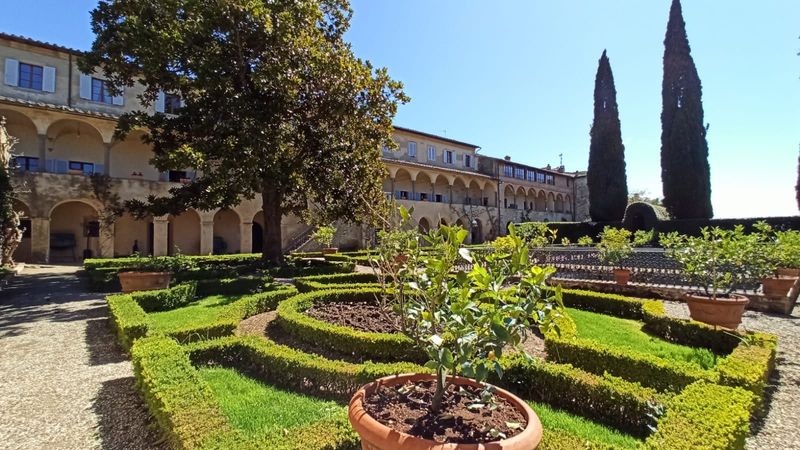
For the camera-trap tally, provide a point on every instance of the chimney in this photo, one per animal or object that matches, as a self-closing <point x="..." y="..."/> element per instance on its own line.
<point x="507" y="158"/>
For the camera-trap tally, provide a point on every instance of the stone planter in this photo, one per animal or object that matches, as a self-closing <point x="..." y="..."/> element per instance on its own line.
<point x="330" y="250"/>
<point x="144" y="281"/>
<point x="778" y="286"/>
<point x="722" y="312"/>
<point x="376" y="436"/>
<point x="622" y="276"/>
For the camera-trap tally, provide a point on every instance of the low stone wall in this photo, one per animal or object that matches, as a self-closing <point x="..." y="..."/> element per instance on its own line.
<point x="758" y="302"/>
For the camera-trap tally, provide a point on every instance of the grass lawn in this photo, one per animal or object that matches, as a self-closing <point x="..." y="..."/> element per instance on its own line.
<point x="202" y="312"/>
<point x="556" y="419"/>
<point x="259" y="409"/>
<point x="628" y="335"/>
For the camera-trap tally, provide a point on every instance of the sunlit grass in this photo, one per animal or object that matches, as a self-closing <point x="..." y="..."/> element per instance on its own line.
<point x="258" y="409"/>
<point x="200" y="313"/>
<point x="628" y="335"/>
<point x="558" y="420"/>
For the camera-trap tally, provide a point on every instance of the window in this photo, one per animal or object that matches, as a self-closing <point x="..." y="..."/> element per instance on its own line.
<point x="172" y="103"/>
<point x="423" y="196"/>
<point x="467" y="160"/>
<point x="551" y="180"/>
<point x="100" y="92"/>
<point x="539" y="177"/>
<point x="26" y="163"/>
<point x="86" y="168"/>
<point x="485" y="201"/>
<point x="531" y="175"/>
<point x="403" y="195"/>
<point x="25" y="226"/>
<point x="519" y="172"/>
<point x="412" y="149"/>
<point x="438" y="198"/>
<point x="176" y="176"/>
<point x="448" y="156"/>
<point x="431" y="153"/>
<point x="508" y="171"/>
<point x="30" y="76"/>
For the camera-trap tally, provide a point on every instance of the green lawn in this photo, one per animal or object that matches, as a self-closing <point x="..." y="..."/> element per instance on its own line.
<point x="556" y="419"/>
<point x="627" y="334"/>
<point x="199" y="313"/>
<point x="259" y="409"/>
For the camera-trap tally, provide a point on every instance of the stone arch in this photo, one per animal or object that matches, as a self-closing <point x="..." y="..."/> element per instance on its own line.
<point x="403" y="185"/>
<point x="530" y="195"/>
<point x="541" y="201"/>
<point x="131" y="157"/>
<point x="490" y="193"/>
<point x="227" y="232"/>
<point x="459" y="189"/>
<point x="74" y="140"/>
<point x="508" y="196"/>
<point x="559" y="203"/>
<point x="74" y="230"/>
<point x="474" y="193"/>
<point x="443" y="221"/>
<point x="183" y="233"/>
<point x="424" y="225"/>
<point x="476" y="231"/>
<point x="23" y="252"/>
<point x="551" y="202"/>
<point x="519" y="198"/>
<point x="441" y="189"/>
<point x="567" y="204"/>
<point x="130" y="233"/>
<point x="424" y="186"/>
<point x="24" y="130"/>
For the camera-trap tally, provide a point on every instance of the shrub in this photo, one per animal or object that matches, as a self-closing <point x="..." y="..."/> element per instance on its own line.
<point x="605" y="399"/>
<point x="324" y="235"/>
<point x="615" y="245"/>
<point x="537" y="234"/>
<point x="335" y="281"/>
<point x="704" y="416"/>
<point x="127" y="318"/>
<point x="380" y="346"/>
<point x="166" y="299"/>
<point x="235" y="286"/>
<point x="337" y="257"/>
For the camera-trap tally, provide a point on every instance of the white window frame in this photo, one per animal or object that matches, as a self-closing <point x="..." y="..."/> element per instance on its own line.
<point x="448" y="157"/>
<point x="431" y="153"/>
<point x="467" y="160"/>
<point x="412" y="149"/>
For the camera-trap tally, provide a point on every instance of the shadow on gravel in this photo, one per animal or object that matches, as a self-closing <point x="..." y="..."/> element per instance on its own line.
<point x="758" y="422"/>
<point x="124" y="423"/>
<point x="102" y="343"/>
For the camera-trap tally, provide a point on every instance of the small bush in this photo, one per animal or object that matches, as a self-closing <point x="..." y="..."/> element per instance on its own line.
<point x="165" y="299"/>
<point x="334" y="281"/>
<point x="235" y="286"/>
<point x="704" y="416"/>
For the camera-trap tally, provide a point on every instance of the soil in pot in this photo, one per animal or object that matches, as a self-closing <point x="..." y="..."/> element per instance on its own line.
<point x="361" y="316"/>
<point x="405" y="408"/>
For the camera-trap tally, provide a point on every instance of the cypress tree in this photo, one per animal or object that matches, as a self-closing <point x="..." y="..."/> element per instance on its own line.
<point x="608" y="188"/>
<point x="685" y="173"/>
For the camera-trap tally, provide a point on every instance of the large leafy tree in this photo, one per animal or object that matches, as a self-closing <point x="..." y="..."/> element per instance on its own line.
<point x="274" y="103"/>
<point x="685" y="173"/>
<point x="608" y="188"/>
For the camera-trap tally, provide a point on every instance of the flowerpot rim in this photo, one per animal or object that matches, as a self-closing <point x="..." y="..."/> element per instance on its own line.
<point x="732" y="298"/>
<point x="366" y="426"/>
<point x="134" y="273"/>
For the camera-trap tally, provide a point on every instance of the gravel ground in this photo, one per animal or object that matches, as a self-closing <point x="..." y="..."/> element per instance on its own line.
<point x="779" y="430"/>
<point x="65" y="383"/>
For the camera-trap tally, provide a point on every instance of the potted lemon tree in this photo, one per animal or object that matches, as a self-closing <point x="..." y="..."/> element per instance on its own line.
<point x="323" y="235"/>
<point x="464" y="321"/>
<point x="717" y="262"/>
<point x="150" y="273"/>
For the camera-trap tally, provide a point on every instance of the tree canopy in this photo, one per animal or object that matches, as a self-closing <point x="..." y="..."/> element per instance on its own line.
<point x="608" y="188"/>
<point x="685" y="172"/>
<point x="273" y="103"/>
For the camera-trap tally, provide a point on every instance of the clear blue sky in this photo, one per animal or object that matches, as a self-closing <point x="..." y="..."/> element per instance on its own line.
<point x="517" y="79"/>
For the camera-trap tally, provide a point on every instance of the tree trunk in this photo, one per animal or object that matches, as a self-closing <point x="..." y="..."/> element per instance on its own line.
<point x="272" y="251"/>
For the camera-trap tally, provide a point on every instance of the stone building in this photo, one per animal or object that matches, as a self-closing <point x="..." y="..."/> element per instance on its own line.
<point x="64" y="122"/>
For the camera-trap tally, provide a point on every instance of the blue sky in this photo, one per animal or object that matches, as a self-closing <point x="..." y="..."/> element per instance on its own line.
<point x="517" y="79"/>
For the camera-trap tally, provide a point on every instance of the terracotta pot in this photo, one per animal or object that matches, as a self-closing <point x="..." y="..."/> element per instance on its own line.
<point x="787" y="272"/>
<point x="723" y="312"/>
<point x="376" y="436"/>
<point x="622" y="276"/>
<point x="144" y="281"/>
<point x="330" y="250"/>
<point x="778" y="286"/>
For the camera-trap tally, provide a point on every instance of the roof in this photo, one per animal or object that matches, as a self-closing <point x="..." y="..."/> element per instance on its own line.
<point x="43" y="44"/>
<point x="431" y="166"/>
<point x="434" y="136"/>
<point x="54" y="107"/>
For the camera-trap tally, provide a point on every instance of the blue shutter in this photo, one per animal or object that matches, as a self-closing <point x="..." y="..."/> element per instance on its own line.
<point x="62" y="166"/>
<point x="99" y="169"/>
<point x="50" y="165"/>
<point x="397" y="195"/>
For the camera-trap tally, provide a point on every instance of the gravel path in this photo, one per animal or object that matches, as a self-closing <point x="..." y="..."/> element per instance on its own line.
<point x="779" y="430"/>
<point x="64" y="382"/>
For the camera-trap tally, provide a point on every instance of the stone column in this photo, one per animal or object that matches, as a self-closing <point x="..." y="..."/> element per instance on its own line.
<point x="107" y="158"/>
<point x="106" y="241"/>
<point x="41" y="141"/>
<point x="206" y="237"/>
<point x="246" y="238"/>
<point x="40" y="239"/>
<point x="161" y="236"/>
<point x="450" y="197"/>
<point x="413" y="190"/>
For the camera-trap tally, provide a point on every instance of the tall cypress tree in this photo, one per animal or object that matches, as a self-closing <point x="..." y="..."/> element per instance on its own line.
<point x="685" y="173"/>
<point x="608" y="187"/>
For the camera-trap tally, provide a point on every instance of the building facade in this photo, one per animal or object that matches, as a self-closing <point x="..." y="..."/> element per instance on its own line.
<point x="63" y="122"/>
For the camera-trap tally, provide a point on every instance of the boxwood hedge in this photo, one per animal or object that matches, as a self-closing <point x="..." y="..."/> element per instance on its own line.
<point x="335" y="281"/>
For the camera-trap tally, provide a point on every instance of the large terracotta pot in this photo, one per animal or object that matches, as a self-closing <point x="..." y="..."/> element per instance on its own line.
<point x="722" y="312"/>
<point x="622" y="276"/>
<point x="778" y="286"/>
<point x="144" y="281"/>
<point x="330" y="250"/>
<point x="787" y="272"/>
<point x="376" y="436"/>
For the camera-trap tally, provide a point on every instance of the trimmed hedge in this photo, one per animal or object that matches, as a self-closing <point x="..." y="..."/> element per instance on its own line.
<point x="335" y="281"/>
<point x="284" y="366"/>
<point x="235" y="286"/>
<point x="378" y="346"/>
<point x="166" y="299"/>
<point x="606" y="399"/>
<point x="130" y="320"/>
<point x="704" y="417"/>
